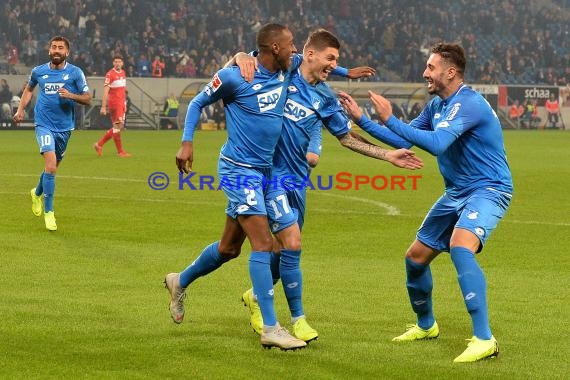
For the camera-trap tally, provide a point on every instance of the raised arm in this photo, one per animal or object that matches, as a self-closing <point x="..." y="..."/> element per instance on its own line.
<point x="374" y="129"/>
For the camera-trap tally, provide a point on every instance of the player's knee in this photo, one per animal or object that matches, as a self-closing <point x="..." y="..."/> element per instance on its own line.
<point x="416" y="256"/>
<point x="229" y="252"/>
<point x="50" y="168"/>
<point x="292" y="243"/>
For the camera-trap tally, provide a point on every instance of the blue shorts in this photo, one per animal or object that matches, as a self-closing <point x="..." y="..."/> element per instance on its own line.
<point x="479" y="212"/>
<point x="244" y="188"/>
<point x="50" y="141"/>
<point x="280" y="213"/>
<point x="297" y="200"/>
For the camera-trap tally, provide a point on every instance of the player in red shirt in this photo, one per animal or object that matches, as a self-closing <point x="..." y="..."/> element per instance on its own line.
<point x="114" y="103"/>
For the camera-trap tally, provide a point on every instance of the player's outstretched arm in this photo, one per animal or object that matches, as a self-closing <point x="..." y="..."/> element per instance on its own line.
<point x="402" y="158"/>
<point x="361" y="72"/>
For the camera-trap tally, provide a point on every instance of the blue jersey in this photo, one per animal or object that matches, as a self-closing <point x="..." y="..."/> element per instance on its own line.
<point x="51" y="110"/>
<point x="465" y="134"/>
<point x="254" y="112"/>
<point x="308" y="107"/>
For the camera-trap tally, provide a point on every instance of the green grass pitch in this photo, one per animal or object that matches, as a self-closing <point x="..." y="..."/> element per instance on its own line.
<point x="88" y="301"/>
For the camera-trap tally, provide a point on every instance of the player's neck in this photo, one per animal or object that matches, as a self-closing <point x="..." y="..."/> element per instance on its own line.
<point x="268" y="62"/>
<point x="57" y="67"/>
<point x="451" y="89"/>
<point x="306" y="72"/>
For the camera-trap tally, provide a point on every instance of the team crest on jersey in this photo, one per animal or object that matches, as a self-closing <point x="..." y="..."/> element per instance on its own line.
<point x="268" y="100"/>
<point x="295" y="111"/>
<point x="45" y="76"/>
<point x="52" y="88"/>
<point x="292" y="89"/>
<point x="437" y="115"/>
<point x="66" y="77"/>
<point x="443" y="124"/>
<point x="453" y="111"/>
<point x="257" y="87"/>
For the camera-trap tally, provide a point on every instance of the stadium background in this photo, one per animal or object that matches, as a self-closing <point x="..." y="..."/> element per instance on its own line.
<point x="508" y="43"/>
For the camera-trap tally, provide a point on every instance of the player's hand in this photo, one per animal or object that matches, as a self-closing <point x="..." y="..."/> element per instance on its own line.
<point x="361" y="72"/>
<point x="103" y="110"/>
<point x="185" y="157"/>
<point x="18" y="116"/>
<point x="247" y="65"/>
<point x="64" y="93"/>
<point x="382" y="105"/>
<point x="350" y="106"/>
<point x="404" y="158"/>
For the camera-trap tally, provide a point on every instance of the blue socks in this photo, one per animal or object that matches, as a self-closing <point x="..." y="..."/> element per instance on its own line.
<point x="260" y="274"/>
<point x="473" y="288"/>
<point x="292" y="280"/>
<point x="208" y="261"/>
<point x="275" y="260"/>
<point x="48" y="184"/>
<point x="420" y="285"/>
<point x="40" y="186"/>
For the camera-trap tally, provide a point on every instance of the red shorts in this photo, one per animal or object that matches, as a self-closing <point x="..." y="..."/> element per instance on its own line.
<point x="117" y="112"/>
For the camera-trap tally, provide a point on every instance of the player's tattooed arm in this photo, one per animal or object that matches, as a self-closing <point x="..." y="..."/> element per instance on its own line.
<point x="402" y="158"/>
<point x="360" y="145"/>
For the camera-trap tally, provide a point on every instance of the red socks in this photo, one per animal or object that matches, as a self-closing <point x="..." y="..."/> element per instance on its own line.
<point x="106" y="137"/>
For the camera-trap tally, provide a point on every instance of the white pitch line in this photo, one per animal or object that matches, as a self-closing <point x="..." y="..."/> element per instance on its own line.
<point x="80" y="177"/>
<point x="106" y="197"/>
<point x="390" y="210"/>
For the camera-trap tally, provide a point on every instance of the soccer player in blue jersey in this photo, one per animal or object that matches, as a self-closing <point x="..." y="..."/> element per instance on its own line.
<point x="61" y="86"/>
<point x="254" y="114"/>
<point x="462" y="130"/>
<point x="310" y="104"/>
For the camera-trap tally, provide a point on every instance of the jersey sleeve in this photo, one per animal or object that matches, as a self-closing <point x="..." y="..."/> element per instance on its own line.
<point x="434" y="142"/>
<point x="33" y="80"/>
<point x="222" y="86"/>
<point x="296" y="61"/>
<point x="382" y="133"/>
<point x="315" y="139"/>
<point x="332" y="114"/>
<point x="81" y="82"/>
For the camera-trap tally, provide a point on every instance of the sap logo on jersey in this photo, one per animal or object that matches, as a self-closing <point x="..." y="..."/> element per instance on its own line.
<point x="52" y="88"/>
<point x="295" y="111"/>
<point x="268" y="100"/>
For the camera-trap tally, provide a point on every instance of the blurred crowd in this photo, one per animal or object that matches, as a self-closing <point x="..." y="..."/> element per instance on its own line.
<point x="507" y="41"/>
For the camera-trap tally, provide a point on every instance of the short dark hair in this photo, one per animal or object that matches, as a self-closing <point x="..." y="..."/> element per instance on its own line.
<point x="60" y="38"/>
<point x="321" y="39"/>
<point x="453" y="54"/>
<point x="118" y="56"/>
<point x="268" y="34"/>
